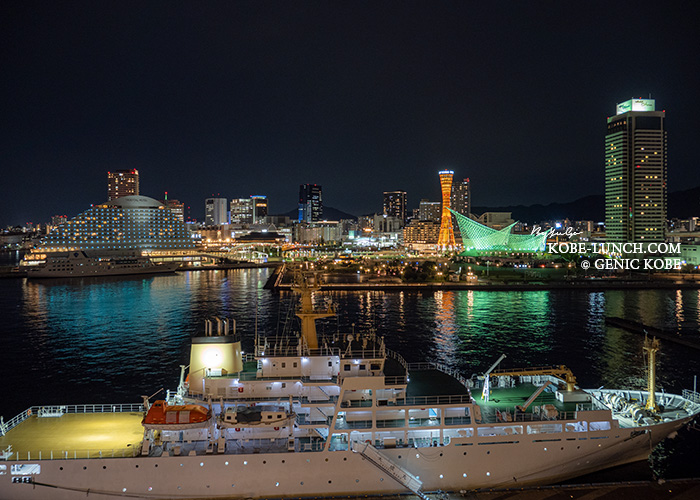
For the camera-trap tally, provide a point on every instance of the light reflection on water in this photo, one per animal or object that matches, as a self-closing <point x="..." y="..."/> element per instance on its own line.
<point x="111" y="340"/>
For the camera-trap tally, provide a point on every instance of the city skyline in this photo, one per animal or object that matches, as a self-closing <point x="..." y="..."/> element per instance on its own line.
<point x="259" y="98"/>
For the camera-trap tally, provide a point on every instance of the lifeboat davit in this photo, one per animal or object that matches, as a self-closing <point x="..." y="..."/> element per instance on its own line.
<point x="162" y="416"/>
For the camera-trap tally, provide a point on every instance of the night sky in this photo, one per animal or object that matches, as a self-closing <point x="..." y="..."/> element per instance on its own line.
<point x="242" y="98"/>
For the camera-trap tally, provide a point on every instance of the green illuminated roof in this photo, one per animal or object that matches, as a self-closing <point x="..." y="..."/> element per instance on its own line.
<point x="484" y="238"/>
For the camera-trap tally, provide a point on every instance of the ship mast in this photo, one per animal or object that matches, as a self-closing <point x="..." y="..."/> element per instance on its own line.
<point x="650" y="347"/>
<point x="305" y="283"/>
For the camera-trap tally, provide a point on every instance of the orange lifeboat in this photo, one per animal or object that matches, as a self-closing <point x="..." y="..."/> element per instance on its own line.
<point x="162" y="416"/>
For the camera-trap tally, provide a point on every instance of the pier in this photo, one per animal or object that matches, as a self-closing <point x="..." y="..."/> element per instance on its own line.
<point x="635" y="327"/>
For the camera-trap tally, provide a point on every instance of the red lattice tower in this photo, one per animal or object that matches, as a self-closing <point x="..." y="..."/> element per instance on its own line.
<point x="447" y="235"/>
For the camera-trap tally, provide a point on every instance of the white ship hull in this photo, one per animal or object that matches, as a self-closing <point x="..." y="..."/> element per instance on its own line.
<point x="79" y="265"/>
<point x="480" y="462"/>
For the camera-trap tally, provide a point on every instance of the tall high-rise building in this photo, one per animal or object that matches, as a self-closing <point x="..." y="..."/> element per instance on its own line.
<point x="242" y="210"/>
<point x="429" y="210"/>
<point x="461" y="198"/>
<point x="395" y="205"/>
<point x="446" y="239"/>
<point x="310" y="203"/>
<point x="215" y="213"/>
<point x="122" y="183"/>
<point x="259" y="208"/>
<point x="635" y="173"/>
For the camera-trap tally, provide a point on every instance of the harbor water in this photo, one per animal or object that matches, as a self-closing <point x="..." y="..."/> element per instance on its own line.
<point x="111" y="340"/>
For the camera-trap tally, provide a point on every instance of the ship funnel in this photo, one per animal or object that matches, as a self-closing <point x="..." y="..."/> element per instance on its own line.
<point x="215" y="354"/>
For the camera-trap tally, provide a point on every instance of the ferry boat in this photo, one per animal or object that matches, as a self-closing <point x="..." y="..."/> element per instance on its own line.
<point x="79" y="263"/>
<point x="312" y="416"/>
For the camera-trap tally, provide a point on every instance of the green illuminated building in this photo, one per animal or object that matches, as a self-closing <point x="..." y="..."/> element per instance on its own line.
<point x="635" y="173"/>
<point x="482" y="238"/>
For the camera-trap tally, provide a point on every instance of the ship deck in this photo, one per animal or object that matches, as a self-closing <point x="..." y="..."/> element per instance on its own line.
<point x="76" y="435"/>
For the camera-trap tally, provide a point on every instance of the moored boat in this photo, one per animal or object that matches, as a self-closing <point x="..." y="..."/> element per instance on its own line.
<point x="79" y="264"/>
<point x="349" y="417"/>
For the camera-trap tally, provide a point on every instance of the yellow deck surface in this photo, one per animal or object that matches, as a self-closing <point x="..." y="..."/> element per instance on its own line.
<point x="78" y="434"/>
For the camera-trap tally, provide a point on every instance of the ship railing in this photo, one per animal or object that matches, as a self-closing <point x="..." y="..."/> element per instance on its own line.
<point x="58" y="410"/>
<point x="365" y="353"/>
<point x="74" y="454"/>
<point x="294" y="351"/>
<point x="356" y="403"/>
<point x="506" y="417"/>
<point x="302" y="419"/>
<point x="692" y="396"/>
<point x="398" y="380"/>
<point x="397" y="357"/>
<point x="442" y="368"/>
<point x="436" y="400"/>
<point x="251" y="376"/>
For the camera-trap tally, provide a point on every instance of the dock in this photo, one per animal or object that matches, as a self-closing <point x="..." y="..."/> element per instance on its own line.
<point x="636" y="327"/>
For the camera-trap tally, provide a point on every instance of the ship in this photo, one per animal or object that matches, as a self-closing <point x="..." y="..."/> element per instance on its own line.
<point x="307" y="415"/>
<point x="80" y="264"/>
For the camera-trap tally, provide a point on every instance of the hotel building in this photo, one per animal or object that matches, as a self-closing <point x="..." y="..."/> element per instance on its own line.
<point x="127" y="224"/>
<point x="635" y="173"/>
<point x="122" y="183"/>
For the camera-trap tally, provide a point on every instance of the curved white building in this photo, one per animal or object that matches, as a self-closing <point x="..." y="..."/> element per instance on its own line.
<point x="130" y="223"/>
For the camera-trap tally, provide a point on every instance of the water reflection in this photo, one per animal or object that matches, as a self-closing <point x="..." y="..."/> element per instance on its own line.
<point x="111" y="340"/>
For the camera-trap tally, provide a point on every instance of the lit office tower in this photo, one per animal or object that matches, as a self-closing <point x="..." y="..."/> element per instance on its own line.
<point x="395" y="205"/>
<point x="242" y="210"/>
<point x="446" y="239"/>
<point x="259" y="208"/>
<point x="122" y="183"/>
<point x="215" y="213"/>
<point x="461" y="199"/>
<point x="310" y="203"/>
<point x="635" y="173"/>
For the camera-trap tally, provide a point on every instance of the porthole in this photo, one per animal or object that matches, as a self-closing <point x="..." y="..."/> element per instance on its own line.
<point x="137" y="466"/>
<point x="264" y="462"/>
<point x="84" y="468"/>
<point x="104" y="466"/>
<point x="60" y="468"/>
<point x="329" y="481"/>
<point x="156" y="465"/>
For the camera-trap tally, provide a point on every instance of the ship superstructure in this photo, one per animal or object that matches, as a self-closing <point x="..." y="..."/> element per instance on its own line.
<point x="310" y="415"/>
<point x="80" y="264"/>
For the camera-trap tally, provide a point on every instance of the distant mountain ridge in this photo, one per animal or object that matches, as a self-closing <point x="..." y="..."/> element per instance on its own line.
<point x="329" y="213"/>
<point x="681" y="205"/>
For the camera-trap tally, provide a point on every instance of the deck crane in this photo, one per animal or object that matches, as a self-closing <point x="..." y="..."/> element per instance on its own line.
<point x="487" y="390"/>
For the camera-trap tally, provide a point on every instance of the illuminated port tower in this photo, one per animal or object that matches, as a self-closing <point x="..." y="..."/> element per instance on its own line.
<point x="446" y="239"/>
